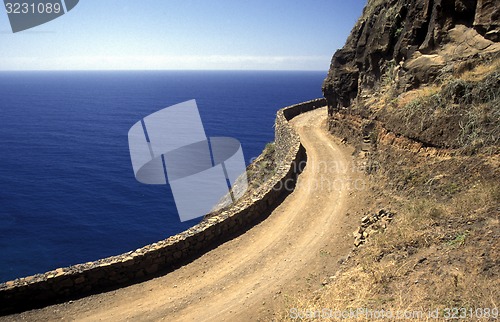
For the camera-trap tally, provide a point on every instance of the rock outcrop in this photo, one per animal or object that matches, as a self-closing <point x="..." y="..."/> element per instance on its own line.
<point x="412" y="39"/>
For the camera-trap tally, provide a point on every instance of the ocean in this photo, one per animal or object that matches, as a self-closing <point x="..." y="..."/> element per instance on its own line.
<point x="68" y="194"/>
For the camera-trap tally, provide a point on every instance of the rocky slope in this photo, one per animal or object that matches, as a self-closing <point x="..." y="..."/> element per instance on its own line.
<point x="416" y="89"/>
<point x="407" y="62"/>
<point x="417" y="37"/>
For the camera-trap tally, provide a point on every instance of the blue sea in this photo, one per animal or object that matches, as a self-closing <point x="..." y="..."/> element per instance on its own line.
<point x="67" y="189"/>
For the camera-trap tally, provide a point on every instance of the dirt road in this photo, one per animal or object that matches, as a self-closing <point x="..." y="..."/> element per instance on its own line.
<point x="249" y="277"/>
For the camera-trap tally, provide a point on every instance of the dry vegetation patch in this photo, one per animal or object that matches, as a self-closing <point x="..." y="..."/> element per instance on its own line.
<point x="441" y="250"/>
<point x="460" y="112"/>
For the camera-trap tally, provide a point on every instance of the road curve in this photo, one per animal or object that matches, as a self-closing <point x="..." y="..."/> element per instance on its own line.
<point x="247" y="277"/>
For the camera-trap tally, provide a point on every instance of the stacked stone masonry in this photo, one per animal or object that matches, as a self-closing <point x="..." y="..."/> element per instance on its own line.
<point x="82" y="279"/>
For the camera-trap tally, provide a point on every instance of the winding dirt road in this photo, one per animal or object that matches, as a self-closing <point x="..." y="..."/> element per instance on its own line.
<point x="252" y="276"/>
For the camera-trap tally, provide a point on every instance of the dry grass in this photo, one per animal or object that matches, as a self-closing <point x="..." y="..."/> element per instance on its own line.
<point x="479" y="72"/>
<point x="407" y="97"/>
<point x="257" y="174"/>
<point x="458" y="113"/>
<point x="263" y="168"/>
<point x="421" y="263"/>
<point x="441" y="250"/>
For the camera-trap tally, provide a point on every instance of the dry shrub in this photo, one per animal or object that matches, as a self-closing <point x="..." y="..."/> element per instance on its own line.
<point x="421" y="262"/>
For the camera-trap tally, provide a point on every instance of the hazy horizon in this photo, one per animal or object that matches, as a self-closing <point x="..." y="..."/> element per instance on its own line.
<point x="183" y="35"/>
<point x="166" y="70"/>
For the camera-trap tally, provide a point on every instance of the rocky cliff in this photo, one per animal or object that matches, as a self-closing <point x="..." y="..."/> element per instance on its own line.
<point x="418" y="37"/>
<point x="402" y="69"/>
<point x="416" y="89"/>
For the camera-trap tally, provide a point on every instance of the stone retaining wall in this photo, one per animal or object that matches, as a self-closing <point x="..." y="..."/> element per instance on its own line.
<point x="148" y="261"/>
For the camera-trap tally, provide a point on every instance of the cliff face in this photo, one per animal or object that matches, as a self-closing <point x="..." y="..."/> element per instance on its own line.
<point x="416" y="91"/>
<point x="419" y="37"/>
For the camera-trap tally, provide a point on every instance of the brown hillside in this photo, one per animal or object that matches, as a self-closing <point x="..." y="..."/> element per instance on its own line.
<point x="416" y="89"/>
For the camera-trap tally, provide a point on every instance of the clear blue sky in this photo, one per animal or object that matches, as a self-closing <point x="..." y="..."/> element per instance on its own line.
<point x="184" y="34"/>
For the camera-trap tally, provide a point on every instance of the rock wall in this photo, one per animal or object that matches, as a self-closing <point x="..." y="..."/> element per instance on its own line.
<point x="410" y="38"/>
<point x="83" y="279"/>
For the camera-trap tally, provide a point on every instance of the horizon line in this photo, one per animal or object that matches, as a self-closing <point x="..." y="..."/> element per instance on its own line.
<point x="161" y="70"/>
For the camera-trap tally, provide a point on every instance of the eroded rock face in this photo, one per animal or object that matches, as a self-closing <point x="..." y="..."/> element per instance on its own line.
<point x="408" y="34"/>
<point x="487" y="18"/>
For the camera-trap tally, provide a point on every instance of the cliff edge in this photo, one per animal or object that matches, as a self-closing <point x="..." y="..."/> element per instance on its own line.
<point x="416" y="89"/>
<point x="419" y="37"/>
